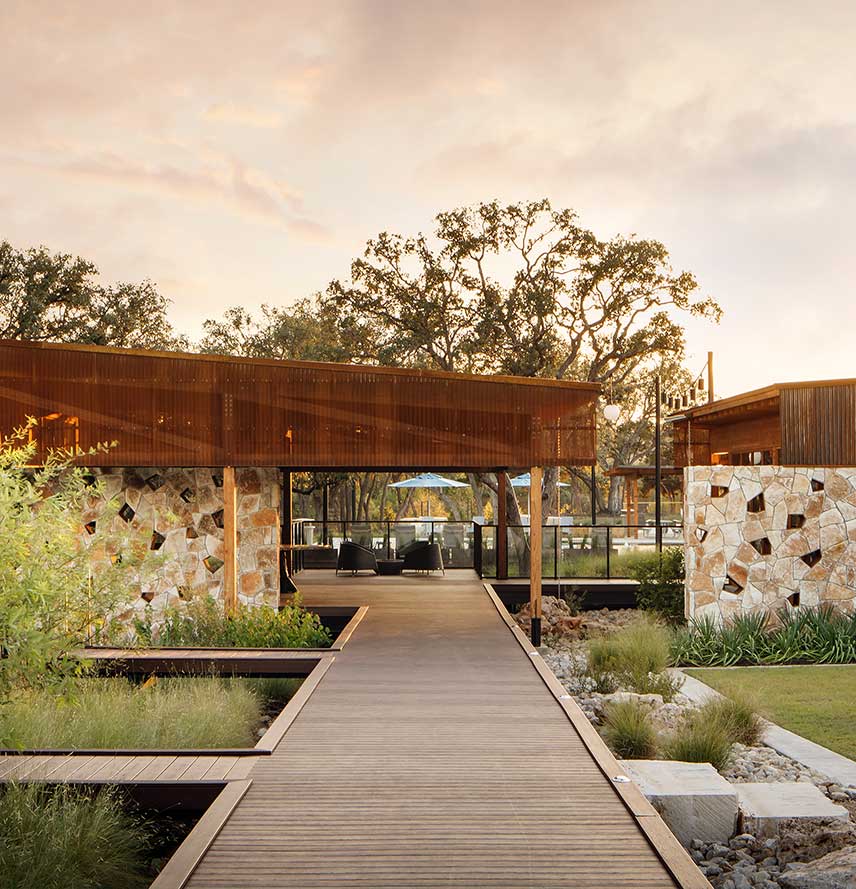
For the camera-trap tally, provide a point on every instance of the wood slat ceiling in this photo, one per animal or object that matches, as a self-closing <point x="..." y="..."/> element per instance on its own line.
<point x="177" y="409"/>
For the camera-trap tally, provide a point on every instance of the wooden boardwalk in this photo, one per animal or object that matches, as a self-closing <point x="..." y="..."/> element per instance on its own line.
<point x="438" y="752"/>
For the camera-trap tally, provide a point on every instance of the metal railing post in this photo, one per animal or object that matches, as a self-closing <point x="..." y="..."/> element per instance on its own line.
<point x="555" y="550"/>
<point x="388" y="541"/>
<point x="608" y="550"/>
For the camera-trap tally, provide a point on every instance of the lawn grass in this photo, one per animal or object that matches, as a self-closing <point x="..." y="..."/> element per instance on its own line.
<point x="205" y="712"/>
<point x="818" y="703"/>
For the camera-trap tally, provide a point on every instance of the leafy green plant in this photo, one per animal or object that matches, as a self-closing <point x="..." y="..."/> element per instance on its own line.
<point x="629" y="730"/>
<point x="822" y="635"/>
<point x="202" y="622"/>
<point x="635" y="658"/>
<point x="661" y="583"/>
<point x="179" y="713"/>
<point x="59" y="837"/>
<point x="737" y="717"/>
<point x="699" y="740"/>
<point x="50" y="597"/>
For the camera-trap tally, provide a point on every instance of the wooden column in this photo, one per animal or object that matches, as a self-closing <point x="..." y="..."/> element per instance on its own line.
<point x="501" y="526"/>
<point x="230" y="540"/>
<point x="535" y="477"/>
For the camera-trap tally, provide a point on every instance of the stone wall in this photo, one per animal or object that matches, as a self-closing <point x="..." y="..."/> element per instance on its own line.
<point x="178" y="514"/>
<point x="767" y="537"/>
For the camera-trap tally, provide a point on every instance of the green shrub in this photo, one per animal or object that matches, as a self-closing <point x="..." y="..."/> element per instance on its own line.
<point x="699" y="740"/>
<point x="822" y="635"/>
<point x="661" y="583"/>
<point x="53" y="589"/>
<point x="202" y="622"/>
<point x="115" y="713"/>
<point x="635" y="658"/>
<point x="629" y="730"/>
<point x="61" y="837"/>
<point x="737" y="717"/>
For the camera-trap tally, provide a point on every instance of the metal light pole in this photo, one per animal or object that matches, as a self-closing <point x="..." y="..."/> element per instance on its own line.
<point x="658" y="469"/>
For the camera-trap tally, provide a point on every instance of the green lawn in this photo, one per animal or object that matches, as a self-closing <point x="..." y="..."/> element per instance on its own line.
<point x="818" y="703"/>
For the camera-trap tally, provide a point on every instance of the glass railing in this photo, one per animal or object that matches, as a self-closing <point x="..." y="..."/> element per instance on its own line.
<point x="585" y="551"/>
<point x="601" y="550"/>
<point x="389" y="538"/>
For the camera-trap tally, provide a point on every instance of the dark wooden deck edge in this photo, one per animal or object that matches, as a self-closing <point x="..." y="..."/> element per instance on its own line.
<point x="277" y="729"/>
<point x="676" y="859"/>
<point x="186" y="858"/>
<point x="348" y="630"/>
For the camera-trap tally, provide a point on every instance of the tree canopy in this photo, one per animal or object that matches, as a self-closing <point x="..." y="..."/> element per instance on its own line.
<point x="57" y="296"/>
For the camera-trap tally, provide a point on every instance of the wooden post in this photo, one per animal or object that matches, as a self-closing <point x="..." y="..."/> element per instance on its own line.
<point x="230" y="541"/>
<point x="535" y="477"/>
<point x="710" y="376"/>
<point x="501" y="527"/>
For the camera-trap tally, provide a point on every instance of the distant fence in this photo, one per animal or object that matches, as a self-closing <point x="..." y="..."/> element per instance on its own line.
<point x="600" y="550"/>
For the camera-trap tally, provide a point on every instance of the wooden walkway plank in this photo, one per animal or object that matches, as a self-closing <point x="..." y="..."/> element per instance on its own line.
<point x="435" y="754"/>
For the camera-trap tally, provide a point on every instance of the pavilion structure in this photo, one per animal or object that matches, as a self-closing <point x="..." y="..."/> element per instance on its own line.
<point x="214" y="440"/>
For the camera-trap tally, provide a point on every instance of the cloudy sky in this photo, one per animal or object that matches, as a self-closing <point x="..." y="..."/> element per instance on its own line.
<point x="240" y="153"/>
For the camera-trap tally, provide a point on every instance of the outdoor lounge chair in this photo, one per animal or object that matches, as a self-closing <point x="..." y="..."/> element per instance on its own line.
<point x="354" y="558"/>
<point x="423" y="556"/>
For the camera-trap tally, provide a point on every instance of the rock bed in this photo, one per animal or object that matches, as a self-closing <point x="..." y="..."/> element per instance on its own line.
<point x="793" y="860"/>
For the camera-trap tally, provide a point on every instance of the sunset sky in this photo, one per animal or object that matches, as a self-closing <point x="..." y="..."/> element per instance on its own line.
<point x="240" y="153"/>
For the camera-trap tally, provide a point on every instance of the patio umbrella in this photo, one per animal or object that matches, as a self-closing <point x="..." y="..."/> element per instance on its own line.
<point x="522" y="481"/>
<point x="428" y="480"/>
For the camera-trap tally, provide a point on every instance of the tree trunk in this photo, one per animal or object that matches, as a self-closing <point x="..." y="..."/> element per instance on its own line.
<point x="616" y="495"/>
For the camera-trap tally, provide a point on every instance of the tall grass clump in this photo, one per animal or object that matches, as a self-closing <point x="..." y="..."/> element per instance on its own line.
<point x="202" y="622"/>
<point x="115" y="713"/>
<point x="821" y="635"/>
<point x="636" y="658"/>
<point x="699" y="740"/>
<point x="629" y="730"/>
<point x="61" y="837"/>
<point x="736" y="715"/>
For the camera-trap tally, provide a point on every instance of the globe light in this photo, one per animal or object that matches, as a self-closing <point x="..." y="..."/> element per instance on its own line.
<point x="612" y="412"/>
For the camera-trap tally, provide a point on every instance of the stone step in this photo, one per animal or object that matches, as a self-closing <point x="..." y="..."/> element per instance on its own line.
<point x="694" y="800"/>
<point x="765" y="807"/>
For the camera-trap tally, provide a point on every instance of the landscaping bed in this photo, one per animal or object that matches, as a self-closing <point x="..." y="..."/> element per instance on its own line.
<point x="185" y="713"/>
<point x="60" y="836"/>
<point x="619" y="675"/>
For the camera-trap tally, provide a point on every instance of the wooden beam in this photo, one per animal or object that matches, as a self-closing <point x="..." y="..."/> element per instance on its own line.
<point x="501" y="525"/>
<point x="230" y="540"/>
<point x="535" y="477"/>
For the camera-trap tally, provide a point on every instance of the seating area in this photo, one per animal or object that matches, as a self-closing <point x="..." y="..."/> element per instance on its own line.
<point x="418" y="556"/>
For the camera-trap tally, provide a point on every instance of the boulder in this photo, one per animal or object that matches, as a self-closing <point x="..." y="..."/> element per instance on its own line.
<point x="837" y="870"/>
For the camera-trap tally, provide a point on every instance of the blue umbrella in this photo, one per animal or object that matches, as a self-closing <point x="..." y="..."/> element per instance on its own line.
<point x="523" y="481"/>
<point x="428" y="480"/>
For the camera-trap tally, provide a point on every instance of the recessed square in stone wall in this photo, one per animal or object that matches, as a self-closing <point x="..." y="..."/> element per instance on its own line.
<point x="756" y="504"/>
<point x="762" y="545"/>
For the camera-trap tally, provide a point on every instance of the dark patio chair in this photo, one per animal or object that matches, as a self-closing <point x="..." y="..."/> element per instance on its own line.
<point x="354" y="558"/>
<point x="423" y="556"/>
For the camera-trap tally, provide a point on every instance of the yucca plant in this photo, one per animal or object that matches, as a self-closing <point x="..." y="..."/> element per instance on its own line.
<point x="821" y="635"/>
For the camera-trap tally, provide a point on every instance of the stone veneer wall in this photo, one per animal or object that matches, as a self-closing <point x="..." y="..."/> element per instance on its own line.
<point x="179" y="514"/>
<point x="767" y="537"/>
